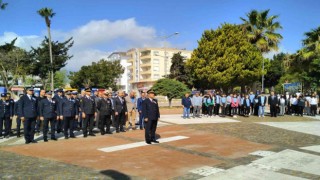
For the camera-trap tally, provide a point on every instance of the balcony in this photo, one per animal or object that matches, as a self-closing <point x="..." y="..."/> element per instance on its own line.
<point x="145" y="72"/>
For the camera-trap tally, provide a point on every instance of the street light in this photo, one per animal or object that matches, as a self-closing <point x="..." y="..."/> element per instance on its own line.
<point x="165" y="52"/>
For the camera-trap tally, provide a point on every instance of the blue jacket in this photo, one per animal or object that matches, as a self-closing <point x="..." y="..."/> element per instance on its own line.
<point x="48" y="109"/>
<point x="150" y="109"/>
<point x="28" y="108"/>
<point x="139" y="104"/>
<point x="186" y="102"/>
<point x="68" y="108"/>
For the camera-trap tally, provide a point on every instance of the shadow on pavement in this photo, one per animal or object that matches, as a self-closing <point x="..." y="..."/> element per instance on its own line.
<point x="115" y="174"/>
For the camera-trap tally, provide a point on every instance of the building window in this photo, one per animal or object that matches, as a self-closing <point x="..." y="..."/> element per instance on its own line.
<point x="156" y="76"/>
<point x="156" y="53"/>
<point x="155" y="61"/>
<point x="156" y="68"/>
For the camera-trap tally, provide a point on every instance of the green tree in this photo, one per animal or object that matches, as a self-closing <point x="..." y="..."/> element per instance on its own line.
<point x="275" y="70"/>
<point x="261" y="30"/>
<point x="48" y="13"/>
<point x="102" y="74"/>
<point x="178" y="69"/>
<point x="3" y="5"/>
<point x="170" y="88"/>
<point x="14" y="64"/>
<point x="41" y="65"/>
<point x="225" y="58"/>
<point x="60" y="78"/>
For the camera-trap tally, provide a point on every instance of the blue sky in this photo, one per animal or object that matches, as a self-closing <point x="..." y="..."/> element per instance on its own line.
<point x="103" y="26"/>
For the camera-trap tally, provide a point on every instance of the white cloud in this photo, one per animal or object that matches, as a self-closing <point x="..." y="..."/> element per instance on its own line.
<point x="22" y="41"/>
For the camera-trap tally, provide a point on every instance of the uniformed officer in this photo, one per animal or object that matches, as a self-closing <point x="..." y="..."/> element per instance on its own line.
<point x="68" y="111"/>
<point x="42" y="96"/>
<point x="88" y="107"/>
<point x="12" y="104"/>
<point x="48" y="113"/>
<point x="151" y="114"/>
<point x="18" y="116"/>
<point x="6" y="114"/>
<point x="59" y="97"/>
<point x="104" y="106"/>
<point x="77" y="100"/>
<point x="28" y="106"/>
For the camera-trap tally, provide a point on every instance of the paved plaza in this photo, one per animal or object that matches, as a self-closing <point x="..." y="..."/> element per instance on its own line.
<point x="207" y="148"/>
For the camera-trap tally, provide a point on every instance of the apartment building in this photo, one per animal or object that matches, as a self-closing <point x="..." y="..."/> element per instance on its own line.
<point x="147" y="65"/>
<point x="122" y="82"/>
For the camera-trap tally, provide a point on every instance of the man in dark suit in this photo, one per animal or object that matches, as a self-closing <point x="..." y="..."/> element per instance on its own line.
<point x="104" y="106"/>
<point x="68" y="111"/>
<point x="120" y="111"/>
<point x="42" y="96"/>
<point x="6" y="114"/>
<point x="88" y="107"/>
<point x="28" y="107"/>
<point x="273" y="103"/>
<point x="139" y="106"/>
<point x="151" y="114"/>
<point x="59" y="98"/>
<point x="48" y="108"/>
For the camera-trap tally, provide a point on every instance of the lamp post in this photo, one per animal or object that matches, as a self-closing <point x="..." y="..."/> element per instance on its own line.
<point x="165" y="52"/>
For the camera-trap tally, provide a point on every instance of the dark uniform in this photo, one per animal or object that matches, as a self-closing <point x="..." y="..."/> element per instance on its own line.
<point x="68" y="109"/>
<point x="104" y="106"/>
<point x="150" y="110"/>
<point x="28" y="106"/>
<point x="88" y="107"/>
<point x="39" y="122"/>
<point x="77" y="122"/>
<point x="17" y="114"/>
<point x="120" y="107"/>
<point x="48" y="110"/>
<point x="6" y="113"/>
<point x="59" y="124"/>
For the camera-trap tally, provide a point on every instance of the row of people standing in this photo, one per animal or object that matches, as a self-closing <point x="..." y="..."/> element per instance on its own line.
<point x="246" y="105"/>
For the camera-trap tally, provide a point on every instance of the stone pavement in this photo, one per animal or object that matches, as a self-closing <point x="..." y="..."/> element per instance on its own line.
<point x="206" y="148"/>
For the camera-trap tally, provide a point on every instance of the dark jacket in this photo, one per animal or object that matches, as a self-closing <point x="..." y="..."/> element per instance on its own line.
<point x="186" y="102"/>
<point x="139" y="104"/>
<point x="68" y="108"/>
<point x="16" y="108"/>
<point x="48" y="109"/>
<point x="119" y="106"/>
<point x="88" y="105"/>
<point x="6" y="109"/>
<point x="273" y="101"/>
<point x="150" y="109"/>
<point x="104" y="106"/>
<point x="28" y="108"/>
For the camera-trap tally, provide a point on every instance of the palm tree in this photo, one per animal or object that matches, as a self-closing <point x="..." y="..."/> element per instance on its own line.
<point x="311" y="43"/>
<point x="3" y="5"/>
<point x="48" y="13"/>
<point x="261" y="30"/>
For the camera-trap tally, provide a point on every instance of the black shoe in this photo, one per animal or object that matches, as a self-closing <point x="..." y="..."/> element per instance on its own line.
<point x="45" y="140"/>
<point x="109" y="132"/>
<point x="85" y="135"/>
<point x="34" y="141"/>
<point x="54" y="138"/>
<point x="148" y="142"/>
<point x="117" y="131"/>
<point x="103" y="133"/>
<point x="27" y="142"/>
<point x="91" y="134"/>
<point x="73" y="137"/>
<point x="155" y="141"/>
<point x="66" y="137"/>
<point x="123" y="130"/>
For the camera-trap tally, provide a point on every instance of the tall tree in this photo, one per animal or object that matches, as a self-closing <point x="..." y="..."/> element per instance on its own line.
<point x="102" y="74"/>
<point x="41" y="65"/>
<point x="178" y="69"/>
<point x="60" y="78"/>
<point x="48" y="13"/>
<point x="170" y="88"/>
<point x="276" y="70"/>
<point x="224" y="58"/>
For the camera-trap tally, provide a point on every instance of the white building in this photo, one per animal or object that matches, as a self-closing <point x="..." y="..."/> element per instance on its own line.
<point x="123" y="80"/>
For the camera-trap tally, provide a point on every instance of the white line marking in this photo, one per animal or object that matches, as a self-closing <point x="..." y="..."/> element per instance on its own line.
<point x="139" y="144"/>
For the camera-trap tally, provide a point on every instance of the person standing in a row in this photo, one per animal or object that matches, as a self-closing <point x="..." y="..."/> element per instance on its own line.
<point x="28" y="107"/>
<point x="273" y="103"/>
<point x="88" y="107"/>
<point x="68" y="111"/>
<point x="151" y="114"/>
<point x="120" y="111"/>
<point x="104" y="106"/>
<point x="6" y="114"/>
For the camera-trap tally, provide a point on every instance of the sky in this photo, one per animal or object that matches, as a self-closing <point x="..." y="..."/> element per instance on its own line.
<point x="100" y="27"/>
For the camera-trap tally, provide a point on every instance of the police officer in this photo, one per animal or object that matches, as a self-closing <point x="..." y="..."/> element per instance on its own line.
<point x="48" y="113"/>
<point x="12" y="104"/>
<point x="88" y="107"/>
<point x="59" y="97"/>
<point x="104" y="106"/>
<point x="28" y="106"/>
<point x="42" y="96"/>
<point x="151" y="114"/>
<point x="74" y="95"/>
<point x="18" y="116"/>
<point x="6" y="114"/>
<point x="68" y="112"/>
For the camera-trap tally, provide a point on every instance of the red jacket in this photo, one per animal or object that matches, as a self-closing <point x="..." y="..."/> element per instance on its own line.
<point x="234" y="103"/>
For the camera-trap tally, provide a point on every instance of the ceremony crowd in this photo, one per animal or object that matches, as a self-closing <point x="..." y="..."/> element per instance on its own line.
<point x="67" y="112"/>
<point x="216" y="104"/>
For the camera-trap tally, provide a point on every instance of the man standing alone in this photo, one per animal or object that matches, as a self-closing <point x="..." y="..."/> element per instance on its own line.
<point x="151" y="114"/>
